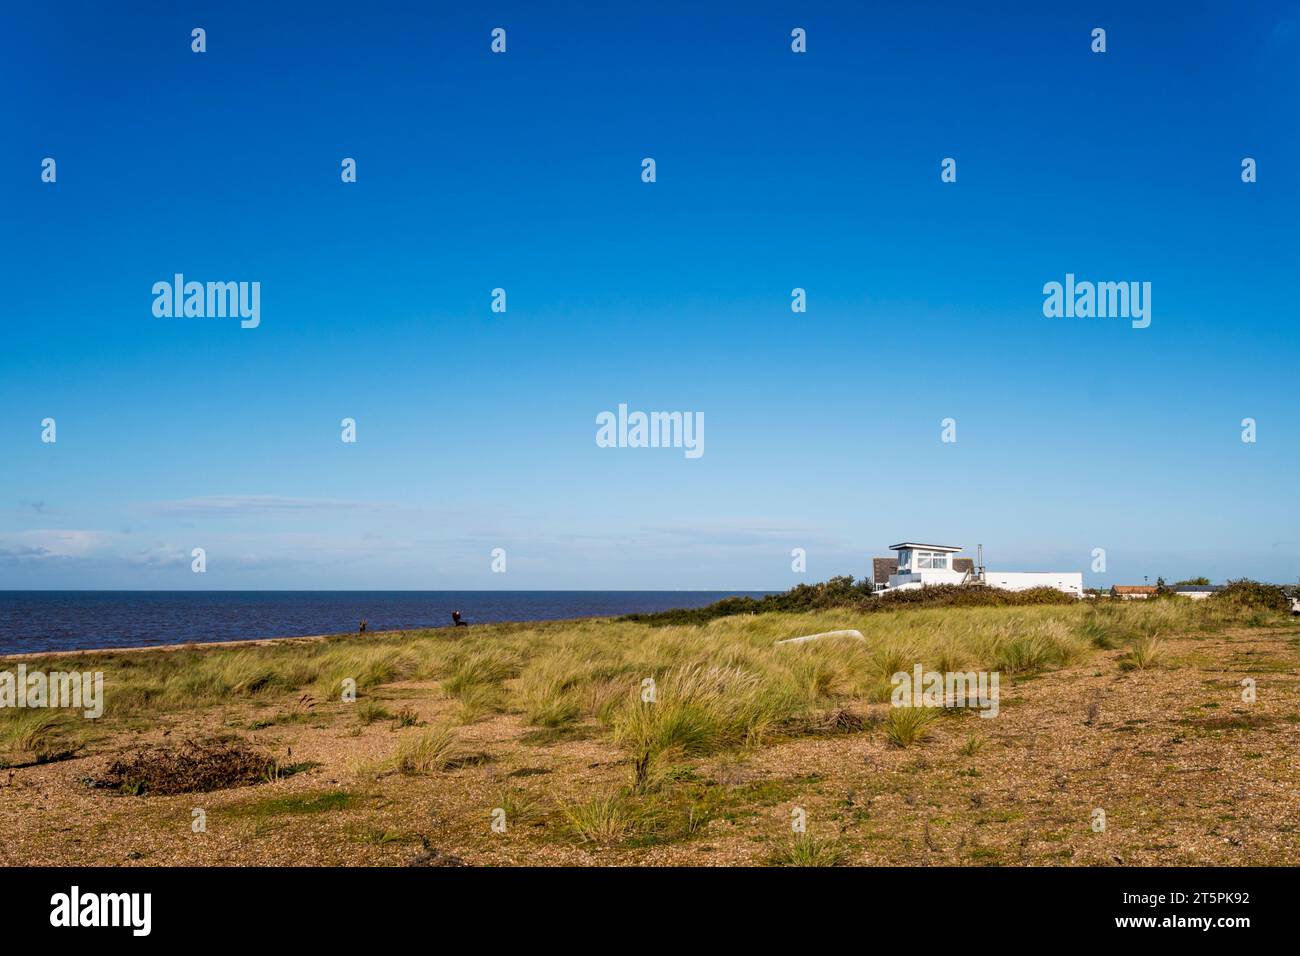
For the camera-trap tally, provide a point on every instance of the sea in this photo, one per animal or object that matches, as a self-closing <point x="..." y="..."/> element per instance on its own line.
<point x="42" y="621"/>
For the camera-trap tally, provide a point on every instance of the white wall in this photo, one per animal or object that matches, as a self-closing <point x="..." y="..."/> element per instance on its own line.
<point x="926" y="576"/>
<point x="1070" y="582"/>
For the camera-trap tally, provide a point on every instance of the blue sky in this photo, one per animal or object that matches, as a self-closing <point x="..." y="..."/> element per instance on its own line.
<point x="775" y="170"/>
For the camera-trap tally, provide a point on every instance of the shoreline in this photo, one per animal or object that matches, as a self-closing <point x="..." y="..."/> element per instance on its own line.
<point x="241" y="642"/>
<point x="192" y="645"/>
<point x="605" y="605"/>
<point x="290" y="639"/>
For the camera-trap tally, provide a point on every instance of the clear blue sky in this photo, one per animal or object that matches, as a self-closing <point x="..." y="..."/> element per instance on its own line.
<point x="775" y="170"/>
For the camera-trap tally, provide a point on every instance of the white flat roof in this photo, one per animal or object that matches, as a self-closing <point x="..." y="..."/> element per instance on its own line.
<point x="923" y="547"/>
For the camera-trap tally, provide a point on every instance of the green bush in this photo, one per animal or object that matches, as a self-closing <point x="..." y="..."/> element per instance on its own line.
<point x="803" y="849"/>
<point x="845" y="593"/>
<point x="908" y="725"/>
<point x="1244" y="593"/>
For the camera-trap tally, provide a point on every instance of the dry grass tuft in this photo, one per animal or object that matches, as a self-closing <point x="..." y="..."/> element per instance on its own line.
<point x="804" y="849"/>
<point x="33" y="736"/>
<point x="908" y="725"/>
<point x="604" y="820"/>
<point x="1145" y="652"/>
<point x="430" y="751"/>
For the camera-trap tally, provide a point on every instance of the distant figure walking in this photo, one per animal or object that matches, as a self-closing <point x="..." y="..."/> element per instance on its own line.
<point x="362" y="629"/>
<point x="456" y="621"/>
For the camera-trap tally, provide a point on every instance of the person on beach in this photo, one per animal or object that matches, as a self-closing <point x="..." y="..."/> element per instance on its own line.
<point x="456" y="621"/>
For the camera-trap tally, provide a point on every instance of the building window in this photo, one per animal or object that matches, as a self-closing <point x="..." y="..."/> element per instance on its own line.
<point x="931" y="560"/>
<point x="904" y="560"/>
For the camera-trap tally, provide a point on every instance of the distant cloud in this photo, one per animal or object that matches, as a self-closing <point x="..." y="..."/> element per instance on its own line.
<point x="23" y="553"/>
<point x="163" y="556"/>
<point x="232" y="506"/>
<point x="47" y="543"/>
<point x="742" y="533"/>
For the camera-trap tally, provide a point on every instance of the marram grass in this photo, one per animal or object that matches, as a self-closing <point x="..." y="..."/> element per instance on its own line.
<point x="717" y="686"/>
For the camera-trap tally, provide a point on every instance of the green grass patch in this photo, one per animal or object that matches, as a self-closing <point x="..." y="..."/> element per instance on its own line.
<point x="325" y="801"/>
<point x="804" y="849"/>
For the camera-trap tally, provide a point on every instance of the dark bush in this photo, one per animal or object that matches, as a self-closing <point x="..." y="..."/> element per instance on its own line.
<point x="844" y="592"/>
<point x="1251" y="594"/>
<point x="970" y="595"/>
<point x="195" y="767"/>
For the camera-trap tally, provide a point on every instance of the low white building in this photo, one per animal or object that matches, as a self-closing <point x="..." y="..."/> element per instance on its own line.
<point x="1197" y="592"/>
<point x="918" y="565"/>
<point x="1071" y="582"/>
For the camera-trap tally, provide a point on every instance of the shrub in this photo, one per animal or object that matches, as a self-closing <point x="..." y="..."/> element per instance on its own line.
<point x="908" y="725"/>
<point x="843" y="592"/>
<point x="701" y="708"/>
<point x="482" y="666"/>
<point x="34" y="736"/>
<point x="479" y="699"/>
<point x="1245" y="594"/>
<point x="428" y="751"/>
<point x="474" y="678"/>
<point x="1145" y="652"/>
<point x="969" y="595"/>
<point x="1021" y="655"/>
<point x="889" y="660"/>
<point x="1099" y="628"/>
<point x="803" y="849"/>
<point x="369" y="711"/>
<point x="1029" y="647"/>
<point x="548" y="692"/>
<point x="519" y="806"/>
<point x="603" y="820"/>
<point x="368" y="666"/>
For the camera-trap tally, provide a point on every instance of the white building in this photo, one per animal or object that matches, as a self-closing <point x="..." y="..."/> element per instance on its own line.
<point x="1197" y="592"/>
<point x="919" y="565"/>
<point x="922" y="564"/>
<point x="1071" y="582"/>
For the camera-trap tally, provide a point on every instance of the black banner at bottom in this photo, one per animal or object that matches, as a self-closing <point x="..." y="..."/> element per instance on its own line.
<point x="341" y="906"/>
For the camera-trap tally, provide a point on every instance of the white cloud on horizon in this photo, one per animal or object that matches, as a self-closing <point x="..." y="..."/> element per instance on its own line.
<point x="54" y="543"/>
<point x="226" y="506"/>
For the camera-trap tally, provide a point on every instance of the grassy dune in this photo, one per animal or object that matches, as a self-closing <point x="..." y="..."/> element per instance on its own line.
<point x="458" y="706"/>
<point x="721" y="684"/>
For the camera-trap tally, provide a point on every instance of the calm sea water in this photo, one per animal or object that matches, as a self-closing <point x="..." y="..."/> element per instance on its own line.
<point x="78" y="620"/>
